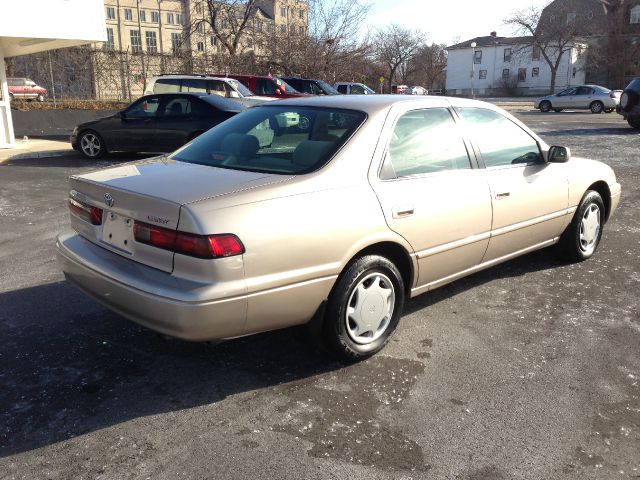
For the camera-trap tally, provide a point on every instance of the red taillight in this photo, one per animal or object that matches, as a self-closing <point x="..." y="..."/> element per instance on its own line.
<point x="201" y="246"/>
<point x="90" y="214"/>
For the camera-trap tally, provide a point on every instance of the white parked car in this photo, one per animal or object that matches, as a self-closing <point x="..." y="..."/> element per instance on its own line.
<point x="225" y="87"/>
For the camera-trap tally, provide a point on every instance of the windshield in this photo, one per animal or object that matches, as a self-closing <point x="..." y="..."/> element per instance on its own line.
<point x="244" y="91"/>
<point x="328" y="89"/>
<point x="273" y="139"/>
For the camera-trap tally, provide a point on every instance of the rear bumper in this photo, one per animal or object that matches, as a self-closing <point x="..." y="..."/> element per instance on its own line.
<point x="172" y="306"/>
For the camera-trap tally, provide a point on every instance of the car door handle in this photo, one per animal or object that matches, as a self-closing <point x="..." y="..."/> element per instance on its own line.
<point x="400" y="211"/>
<point x="500" y="195"/>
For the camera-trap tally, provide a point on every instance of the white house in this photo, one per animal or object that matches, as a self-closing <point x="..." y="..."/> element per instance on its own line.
<point x="509" y="65"/>
<point x="43" y="25"/>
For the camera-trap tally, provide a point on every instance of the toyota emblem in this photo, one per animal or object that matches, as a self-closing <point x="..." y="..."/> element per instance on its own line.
<point x="108" y="199"/>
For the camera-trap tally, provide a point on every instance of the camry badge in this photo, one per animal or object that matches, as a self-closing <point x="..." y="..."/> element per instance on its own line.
<point x="108" y="199"/>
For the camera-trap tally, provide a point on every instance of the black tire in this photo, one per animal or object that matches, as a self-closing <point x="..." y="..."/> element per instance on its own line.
<point x="634" y="123"/>
<point x="582" y="237"/>
<point x="11" y="97"/>
<point x="596" y="107"/>
<point x="40" y="98"/>
<point x="557" y="109"/>
<point x="339" y="327"/>
<point x="545" y="106"/>
<point x="91" y="137"/>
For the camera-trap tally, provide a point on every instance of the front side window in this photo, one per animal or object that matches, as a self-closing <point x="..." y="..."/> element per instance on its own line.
<point x="568" y="91"/>
<point x="501" y="141"/>
<point x="272" y="139"/>
<point x="426" y="141"/>
<point x="136" y="41"/>
<point x="143" y="108"/>
<point x="152" y="42"/>
<point x="357" y="89"/>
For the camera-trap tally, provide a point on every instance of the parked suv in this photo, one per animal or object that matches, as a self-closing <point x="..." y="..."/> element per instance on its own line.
<point x="267" y="86"/>
<point x="225" y="87"/>
<point x="25" y="88"/>
<point x="629" y="106"/>
<point x="350" y="88"/>
<point x="308" y="85"/>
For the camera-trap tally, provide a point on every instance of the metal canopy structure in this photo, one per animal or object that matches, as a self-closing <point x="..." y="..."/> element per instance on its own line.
<point x="44" y="25"/>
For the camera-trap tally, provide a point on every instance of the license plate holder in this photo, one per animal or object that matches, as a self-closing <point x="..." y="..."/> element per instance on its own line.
<point x="117" y="232"/>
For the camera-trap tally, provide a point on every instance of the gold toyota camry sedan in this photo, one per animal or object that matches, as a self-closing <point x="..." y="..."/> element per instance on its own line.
<point x="330" y="211"/>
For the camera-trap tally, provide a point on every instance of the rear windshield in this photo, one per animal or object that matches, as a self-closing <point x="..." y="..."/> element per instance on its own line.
<point x="274" y="139"/>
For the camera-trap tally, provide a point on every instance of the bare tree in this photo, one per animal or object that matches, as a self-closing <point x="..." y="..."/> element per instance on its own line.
<point x="395" y="46"/>
<point x="554" y="35"/>
<point x="427" y="67"/>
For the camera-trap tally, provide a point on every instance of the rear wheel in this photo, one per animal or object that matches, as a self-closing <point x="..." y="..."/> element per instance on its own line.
<point x="91" y="144"/>
<point x="596" y="107"/>
<point x="40" y="98"/>
<point x="545" y="106"/>
<point x="581" y="238"/>
<point x="634" y="123"/>
<point x="364" y="308"/>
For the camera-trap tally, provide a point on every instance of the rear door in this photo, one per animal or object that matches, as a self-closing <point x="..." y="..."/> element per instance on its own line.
<point x="432" y="195"/>
<point x="175" y="122"/>
<point x="582" y="98"/>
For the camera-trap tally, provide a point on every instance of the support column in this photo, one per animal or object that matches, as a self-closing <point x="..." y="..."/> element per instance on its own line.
<point x="6" y="122"/>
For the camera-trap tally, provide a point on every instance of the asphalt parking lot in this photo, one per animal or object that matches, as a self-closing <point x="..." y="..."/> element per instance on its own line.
<point x="528" y="370"/>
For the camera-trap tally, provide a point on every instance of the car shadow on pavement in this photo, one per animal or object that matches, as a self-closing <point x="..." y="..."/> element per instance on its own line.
<point x="73" y="160"/>
<point x="71" y="367"/>
<point x="592" y="131"/>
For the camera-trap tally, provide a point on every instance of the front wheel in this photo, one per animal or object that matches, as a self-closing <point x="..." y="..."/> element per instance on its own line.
<point x="581" y="238"/>
<point x="545" y="106"/>
<point x="364" y="308"/>
<point x="91" y="144"/>
<point x="40" y="98"/>
<point x="634" y="123"/>
<point x="596" y="107"/>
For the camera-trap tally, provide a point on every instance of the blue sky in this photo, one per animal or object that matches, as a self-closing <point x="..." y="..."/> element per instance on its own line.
<point x="451" y="19"/>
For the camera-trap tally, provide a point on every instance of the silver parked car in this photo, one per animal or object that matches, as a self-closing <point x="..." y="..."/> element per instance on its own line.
<point x="585" y="97"/>
<point x="261" y="224"/>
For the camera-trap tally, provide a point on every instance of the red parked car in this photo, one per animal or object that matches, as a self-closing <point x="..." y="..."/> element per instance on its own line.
<point x="266" y="86"/>
<point x="25" y="88"/>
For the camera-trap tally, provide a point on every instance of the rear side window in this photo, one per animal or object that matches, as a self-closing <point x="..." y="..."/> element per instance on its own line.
<point x="177" y="107"/>
<point x="218" y="87"/>
<point x="194" y="85"/>
<point x="426" y="141"/>
<point x="283" y="140"/>
<point x="167" y="85"/>
<point x="15" y="82"/>
<point x="501" y="142"/>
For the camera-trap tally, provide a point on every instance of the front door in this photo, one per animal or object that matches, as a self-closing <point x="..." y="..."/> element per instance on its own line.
<point x="431" y="195"/>
<point x="529" y="195"/>
<point x="136" y="130"/>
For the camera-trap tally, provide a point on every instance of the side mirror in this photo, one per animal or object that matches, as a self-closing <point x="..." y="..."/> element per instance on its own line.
<point x="558" y="154"/>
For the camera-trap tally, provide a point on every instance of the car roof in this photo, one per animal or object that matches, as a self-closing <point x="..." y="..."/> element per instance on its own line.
<point x="372" y="104"/>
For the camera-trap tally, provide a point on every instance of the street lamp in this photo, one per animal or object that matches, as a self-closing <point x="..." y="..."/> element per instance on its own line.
<point x="473" y="66"/>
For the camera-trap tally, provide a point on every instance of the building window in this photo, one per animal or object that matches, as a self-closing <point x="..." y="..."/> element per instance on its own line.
<point x="200" y="27"/>
<point x="635" y="14"/>
<point x="200" y="46"/>
<point x="155" y="16"/>
<point x="179" y="18"/>
<point x="152" y="42"/>
<point x="535" y="54"/>
<point x="301" y="30"/>
<point x="505" y="73"/>
<point x="535" y="72"/>
<point x="477" y="57"/>
<point x="170" y="18"/>
<point x="522" y="74"/>
<point x="128" y="14"/>
<point x="283" y="28"/>
<point x="301" y="14"/>
<point x="176" y="42"/>
<point x="483" y="75"/>
<point x="199" y="8"/>
<point x="292" y="28"/>
<point x="109" y="44"/>
<point x="136" y="41"/>
<point x="573" y="72"/>
<point x="258" y="25"/>
<point x="111" y="13"/>
<point x="571" y="16"/>
<point x="283" y="12"/>
<point x="143" y="16"/>
<point x="214" y="41"/>
<point x="507" y="54"/>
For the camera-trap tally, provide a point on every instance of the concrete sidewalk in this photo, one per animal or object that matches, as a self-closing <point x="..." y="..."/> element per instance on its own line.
<point x="36" y="148"/>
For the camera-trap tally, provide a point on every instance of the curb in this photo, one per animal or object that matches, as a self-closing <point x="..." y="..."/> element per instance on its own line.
<point x="44" y="154"/>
